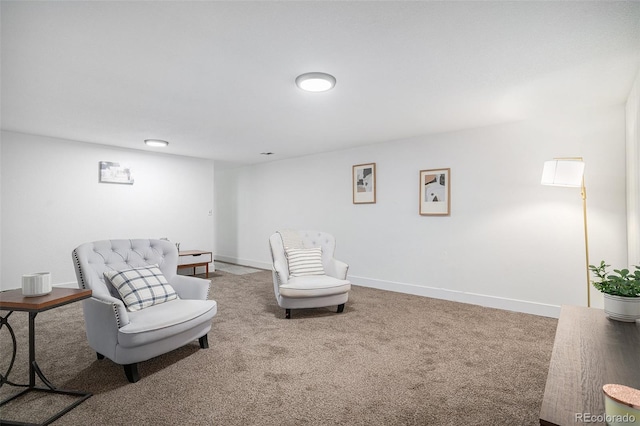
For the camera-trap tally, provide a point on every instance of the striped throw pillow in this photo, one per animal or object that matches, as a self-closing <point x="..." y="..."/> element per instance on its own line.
<point x="141" y="287"/>
<point x="305" y="261"/>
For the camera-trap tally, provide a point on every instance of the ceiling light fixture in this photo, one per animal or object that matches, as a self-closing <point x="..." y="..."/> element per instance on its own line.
<point x="315" y="82"/>
<point x="156" y="142"/>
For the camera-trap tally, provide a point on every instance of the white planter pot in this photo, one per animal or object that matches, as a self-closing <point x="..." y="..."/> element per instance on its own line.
<point x="37" y="284"/>
<point x="620" y="308"/>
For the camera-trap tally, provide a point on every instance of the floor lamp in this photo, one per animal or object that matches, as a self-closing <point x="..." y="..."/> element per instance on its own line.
<point x="569" y="172"/>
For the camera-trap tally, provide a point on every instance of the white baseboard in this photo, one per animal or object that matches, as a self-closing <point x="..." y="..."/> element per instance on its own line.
<point x="244" y="262"/>
<point x="542" y="309"/>
<point x="515" y="305"/>
<point x="67" y="285"/>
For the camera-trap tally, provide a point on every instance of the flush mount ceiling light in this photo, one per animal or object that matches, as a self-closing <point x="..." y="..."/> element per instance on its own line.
<point x="315" y="82"/>
<point x="156" y="142"/>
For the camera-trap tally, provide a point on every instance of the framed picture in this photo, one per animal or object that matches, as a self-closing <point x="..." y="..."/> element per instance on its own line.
<point x="435" y="192"/>
<point x="115" y="173"/>
<point x="364" y="183"/>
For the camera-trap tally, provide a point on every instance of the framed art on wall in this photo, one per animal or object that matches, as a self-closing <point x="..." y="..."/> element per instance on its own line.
<point x="111" y="172"/>
<point x="435" y="192"/>
<point x="364" y="183"/>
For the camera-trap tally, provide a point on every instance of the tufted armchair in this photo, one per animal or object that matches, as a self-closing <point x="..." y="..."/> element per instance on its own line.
<point x="128" y="337"/>
<point x="309" y="287"/>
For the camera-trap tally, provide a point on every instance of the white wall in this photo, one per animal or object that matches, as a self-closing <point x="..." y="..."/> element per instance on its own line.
<point x="52" y="202"/>
<point x="633" y="173"/>
<point x="509" y="242"/>
<point x="1" y="197"/>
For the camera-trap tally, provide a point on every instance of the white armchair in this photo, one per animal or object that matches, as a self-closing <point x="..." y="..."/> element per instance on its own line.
<point x="130" y="336"/>
<point x="307" y="284"/>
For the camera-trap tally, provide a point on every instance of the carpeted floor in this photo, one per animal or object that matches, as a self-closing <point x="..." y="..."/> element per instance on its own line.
<point x="389" y="359"/>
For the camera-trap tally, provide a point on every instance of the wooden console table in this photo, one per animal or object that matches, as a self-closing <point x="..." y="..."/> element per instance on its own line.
<point x="195" y="258"/>
<point x="13" y="300"/>
<point x="589" y="351"/>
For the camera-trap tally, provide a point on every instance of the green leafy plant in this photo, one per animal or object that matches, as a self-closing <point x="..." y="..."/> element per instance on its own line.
<point x="621" y="282"/>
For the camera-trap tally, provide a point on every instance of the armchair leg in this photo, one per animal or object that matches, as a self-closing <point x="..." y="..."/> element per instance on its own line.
<point x="204" y="342"/>
<point x="100" y="356"/>
<point x="131" y="371"/>
<point x="341" y="308"/>
<point x="287" y="313"/>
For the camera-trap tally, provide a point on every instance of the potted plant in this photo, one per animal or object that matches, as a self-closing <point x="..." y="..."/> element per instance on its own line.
<point x="621" y="291"/>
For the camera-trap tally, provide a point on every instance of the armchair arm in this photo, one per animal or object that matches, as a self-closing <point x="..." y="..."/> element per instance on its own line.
<point x="190" y="287"/>
<point x="115" y="306"/>
<point x="282" y="271"/>
<point x="103" y="318"/>
<point x="337" y="269"/>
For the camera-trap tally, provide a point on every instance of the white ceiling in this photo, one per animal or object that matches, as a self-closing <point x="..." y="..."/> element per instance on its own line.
<point x="216" y="79"/>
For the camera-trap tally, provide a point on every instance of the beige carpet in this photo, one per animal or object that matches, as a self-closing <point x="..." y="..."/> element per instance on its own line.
<point x="389" y="359"/>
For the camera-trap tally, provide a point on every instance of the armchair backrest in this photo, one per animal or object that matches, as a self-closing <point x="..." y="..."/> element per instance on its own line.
<point x="91" y="260"/>
<point x="308" y="239"/>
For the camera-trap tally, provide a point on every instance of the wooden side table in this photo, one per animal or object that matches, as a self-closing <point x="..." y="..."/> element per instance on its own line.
<point x="195" y="258"/>
<point x="589" y="351"/>
<point x="13" y="300"/>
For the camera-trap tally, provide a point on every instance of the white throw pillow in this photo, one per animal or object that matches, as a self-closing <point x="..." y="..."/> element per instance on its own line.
<point x="305" y="261"/>
<point x="141" y="287"/>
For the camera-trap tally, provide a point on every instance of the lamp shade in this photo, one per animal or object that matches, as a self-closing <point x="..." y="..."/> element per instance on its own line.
<point x="563" y="173"/>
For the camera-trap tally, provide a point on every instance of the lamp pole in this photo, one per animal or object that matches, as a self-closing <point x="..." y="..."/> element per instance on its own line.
<point x="583" y="193"/>
<point x="561" y="172"/>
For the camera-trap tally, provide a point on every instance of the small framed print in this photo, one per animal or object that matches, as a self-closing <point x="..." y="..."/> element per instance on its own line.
<point x="435" y="192"/>
<point x="364" y="183"/>
<point x="111" y="172"/>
